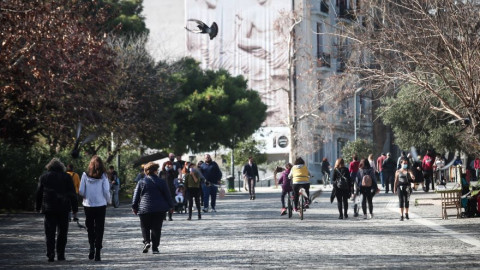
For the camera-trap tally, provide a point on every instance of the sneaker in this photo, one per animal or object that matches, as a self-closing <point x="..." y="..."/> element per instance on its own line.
<point x="406" y="216"/>
<point x="370" y="216"/>
<point x="205" y="210"/>
<point x="364" y="216"/>
<point x="213" y="210"/>
<point x="340" y="217"/>
<point x="401" y="218"/>
<point x="155" y="251"/>
<point x="283" y="212"/>
<point x="146" y="247"/>
<point x="346" y="216"/>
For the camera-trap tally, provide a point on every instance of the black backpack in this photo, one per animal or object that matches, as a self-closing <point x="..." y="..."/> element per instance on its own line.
<point x="341" y="182"/>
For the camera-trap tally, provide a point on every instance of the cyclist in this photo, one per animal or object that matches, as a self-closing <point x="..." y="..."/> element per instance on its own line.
<point x="325" y="171"/>
<point x="286" y="186"/>
<point x="301" y="179"/>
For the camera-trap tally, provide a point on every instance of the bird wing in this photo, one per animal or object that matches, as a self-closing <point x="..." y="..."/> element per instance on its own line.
<point x="213" y="30"/>
<point x="200" y="23"/>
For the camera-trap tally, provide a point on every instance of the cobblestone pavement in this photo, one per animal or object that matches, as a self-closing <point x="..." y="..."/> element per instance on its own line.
<point x="246" y="234"/>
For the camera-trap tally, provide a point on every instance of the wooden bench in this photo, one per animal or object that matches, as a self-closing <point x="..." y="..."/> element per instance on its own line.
<point x="450" y="200"/>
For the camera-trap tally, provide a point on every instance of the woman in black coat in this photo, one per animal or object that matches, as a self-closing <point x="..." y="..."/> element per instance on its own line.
<point x="151" y="201"/>
<point x="343" y="187"/>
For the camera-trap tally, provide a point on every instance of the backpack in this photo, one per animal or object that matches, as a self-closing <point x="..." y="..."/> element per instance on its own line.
<point x="367" y="181"/>
<point x="342" y="182"/>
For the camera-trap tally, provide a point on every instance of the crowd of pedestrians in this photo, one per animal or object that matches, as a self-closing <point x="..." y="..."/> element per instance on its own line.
<point x="179" y="185"/>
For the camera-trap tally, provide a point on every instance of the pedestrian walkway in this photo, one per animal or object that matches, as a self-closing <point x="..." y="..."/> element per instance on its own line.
<point x="247" y="234"/>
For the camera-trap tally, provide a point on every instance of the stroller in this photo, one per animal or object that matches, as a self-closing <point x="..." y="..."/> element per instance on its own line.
<point x="181" y="207"/>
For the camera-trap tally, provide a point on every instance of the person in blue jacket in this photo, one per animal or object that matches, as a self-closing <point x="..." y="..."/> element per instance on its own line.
<point x="213" y="177"/>
<point x="151" y="201"/>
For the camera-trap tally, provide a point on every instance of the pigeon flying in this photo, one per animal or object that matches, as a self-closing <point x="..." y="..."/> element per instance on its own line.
<point x="212" y="31"/>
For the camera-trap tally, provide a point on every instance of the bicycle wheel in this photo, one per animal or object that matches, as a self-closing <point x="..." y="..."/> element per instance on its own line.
<point x="290" y="206"/>
<point x="301" y="205"/>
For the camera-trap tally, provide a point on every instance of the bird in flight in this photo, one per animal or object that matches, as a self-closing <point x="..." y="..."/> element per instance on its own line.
<point x="212" y="31"/>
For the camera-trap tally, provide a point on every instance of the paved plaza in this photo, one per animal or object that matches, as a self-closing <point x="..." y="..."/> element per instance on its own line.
<point x="246" y="234"/>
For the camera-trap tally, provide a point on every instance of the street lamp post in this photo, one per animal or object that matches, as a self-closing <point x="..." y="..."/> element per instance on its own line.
<point x="355" y="111"/>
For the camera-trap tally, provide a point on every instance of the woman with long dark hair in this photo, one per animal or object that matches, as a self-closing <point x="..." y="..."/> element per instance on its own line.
<point x="95" y="190"/>
<point x="368" y="186"/>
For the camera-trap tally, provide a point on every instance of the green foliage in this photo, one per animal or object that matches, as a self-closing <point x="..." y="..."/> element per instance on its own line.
<point x="125" y="17"/>
<point x="360" y="147"/>
<point x="414" y="123"/>
<point x="212" y="109"/>
<point x="20" y="168"/>
<point x="245" y="149"/>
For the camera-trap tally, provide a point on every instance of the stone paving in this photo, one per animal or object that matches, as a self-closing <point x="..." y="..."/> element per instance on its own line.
<point x="246" y="234"/>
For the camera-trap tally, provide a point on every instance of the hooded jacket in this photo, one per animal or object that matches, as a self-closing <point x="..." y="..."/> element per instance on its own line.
<point x="299" y="174"/>
<point x="95" y="192"/>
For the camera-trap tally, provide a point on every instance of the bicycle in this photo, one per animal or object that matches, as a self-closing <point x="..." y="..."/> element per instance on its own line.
<point x="302" y="196"/>
<point x="290" y="204"/>
<point x="326" y="179"/>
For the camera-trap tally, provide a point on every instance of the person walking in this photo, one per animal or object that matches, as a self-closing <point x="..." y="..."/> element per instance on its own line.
<point x="193" y="187"/>
<point x="213" y="176"/>
<point x="55" y="198"/>
<point x="151" y="201"/>
<point x="301" y="179"/>
<point x="368" y="186"/>
<point x="402" y="187"/>
<point x="343" y="187"/>
<point x="250" y="173"/>
<point x="427" y="168"/>
<point x="389" y="167"/>
<point x="286" y="184"/>
<point x="95" y="190"/>
<point x="380" y="161"/>
<point x="114" y="186"/>
<point x="476" y="166"/>
<point x="170" y="175"/>
<point x="76" y="184"/>
<point x="418" y="173"/>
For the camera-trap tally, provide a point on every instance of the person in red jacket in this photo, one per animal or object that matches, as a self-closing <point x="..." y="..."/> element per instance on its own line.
<point x="427" y="167"/>
<point x="476" y="166"/>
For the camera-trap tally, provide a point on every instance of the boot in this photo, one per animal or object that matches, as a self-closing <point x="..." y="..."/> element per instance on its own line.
<point x="189" y="215"/>
<point x="199" y="214"/>
<point x="97" y="255"/>
<point x="91" y="253"/>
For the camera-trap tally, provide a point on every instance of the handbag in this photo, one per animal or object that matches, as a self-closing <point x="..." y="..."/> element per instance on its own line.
<point x="221" y="193"/>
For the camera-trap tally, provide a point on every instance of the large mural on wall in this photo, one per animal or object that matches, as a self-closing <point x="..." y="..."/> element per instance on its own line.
<point x="251" y="41"/>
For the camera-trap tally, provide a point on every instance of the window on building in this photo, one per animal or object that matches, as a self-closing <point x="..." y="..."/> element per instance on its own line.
<point x="321" y="94"/>
<point x="323" y="58"/>
<point x="319" y="153"/>
<point x="325" y="6"/>
<point x="340" y="144"/>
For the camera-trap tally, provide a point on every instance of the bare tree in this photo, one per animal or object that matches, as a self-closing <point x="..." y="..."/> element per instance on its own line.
<point x="431" y="44"/>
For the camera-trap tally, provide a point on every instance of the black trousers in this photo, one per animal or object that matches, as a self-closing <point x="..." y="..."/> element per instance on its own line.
<point x="251" y="186"/>
<point x="193" y="193"/>
<point x="389" y="179"/>
<point x="367" y="197"/>
<point x="296" y="190"/>
<point x="403" y="196"/>
<point x="95" y="222"/>
<point x="56" y="223"/>
<point x="342" y="200"/>
<point x="151" y="225"/>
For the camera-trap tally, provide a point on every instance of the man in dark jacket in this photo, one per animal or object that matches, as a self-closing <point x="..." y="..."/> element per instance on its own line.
<point x="56" y="197"/>
<point x="389" y="167"/>
<point x="213" y="176"/>
<point x="250" y="173"/>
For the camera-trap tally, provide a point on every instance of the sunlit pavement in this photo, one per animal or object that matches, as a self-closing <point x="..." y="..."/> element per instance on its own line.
<point x="246" y="234"/>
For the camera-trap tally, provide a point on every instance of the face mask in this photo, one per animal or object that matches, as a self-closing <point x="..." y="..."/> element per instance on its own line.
<point x="172" y="159"/>
<point x="405" y="166"/>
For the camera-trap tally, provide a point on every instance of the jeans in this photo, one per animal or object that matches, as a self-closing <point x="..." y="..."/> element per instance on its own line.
<point x="251" y="186"/>
<point x="95" y="222"/>
<point x="210" y="191"/>
<point x="151" y="225"/>
<point x="381" y="179"/>
<point x="56" y="223"/>
<point x="114" y="192"/>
